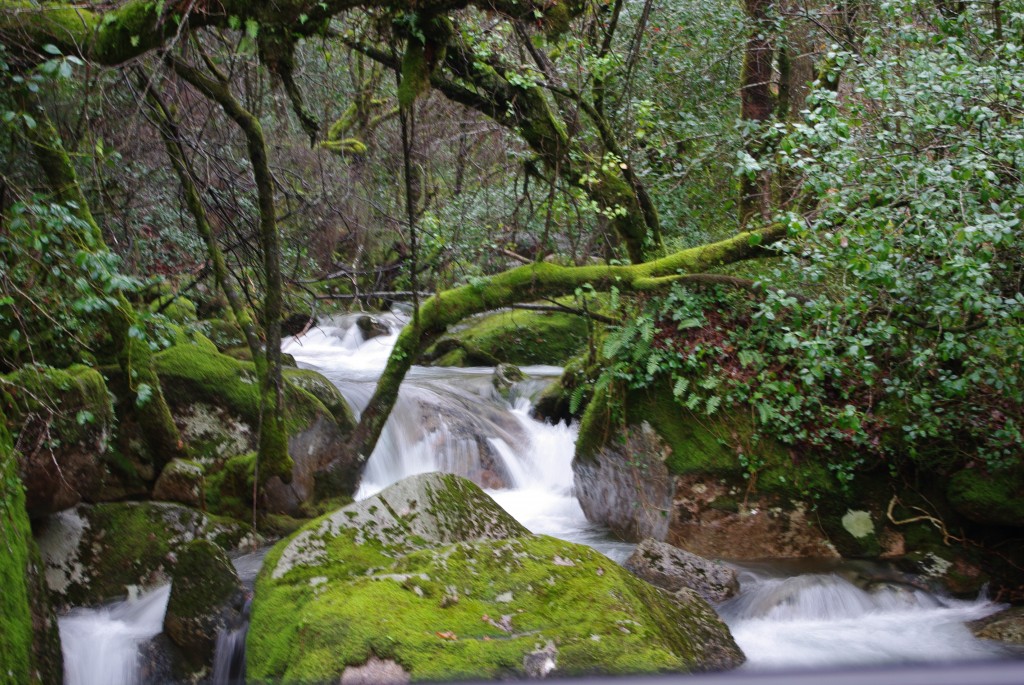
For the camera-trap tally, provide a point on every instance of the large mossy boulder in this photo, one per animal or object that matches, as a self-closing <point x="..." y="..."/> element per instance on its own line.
<point x="207" y="598"/>
<point x="63" y="421"/>
<point x="215" y="402"/>
<point x="29" y="639"/>
<point x="96" y="553"/>
<point x="513" y="337"/>
<point x="432" y="577"/>
<point x="678" y="477"/>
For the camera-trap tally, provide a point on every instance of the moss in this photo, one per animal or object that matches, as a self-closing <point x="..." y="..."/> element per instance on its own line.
<point x="75" y="400"/>
<point x="325" y="391"/>
<point x="191" y="373"/>
<point x="204" y="579"/>
<point x="403" y="614"/>
<point x="229" y="490"/>
<point x="15" y="538"/>
<point x="703" y="445"/>
<point x="124" y="544"/>
<point x="989" y="499"/>
<point x="522" y="337"/>
<point x="224" y="334"/>
<point x="180" y="310"/>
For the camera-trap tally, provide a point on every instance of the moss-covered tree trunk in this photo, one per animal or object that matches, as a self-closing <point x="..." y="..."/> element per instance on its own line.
<point x="171" y="135"/>
<point x="132" y="351"/>
<point x="274" y="459"/>
<point x="531" y="282"/>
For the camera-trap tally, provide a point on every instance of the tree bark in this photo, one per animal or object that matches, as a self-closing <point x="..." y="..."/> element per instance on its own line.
<point x="757" y="105"/>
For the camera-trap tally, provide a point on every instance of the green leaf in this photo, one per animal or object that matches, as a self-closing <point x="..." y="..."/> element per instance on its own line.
<point x="51" y="49"/>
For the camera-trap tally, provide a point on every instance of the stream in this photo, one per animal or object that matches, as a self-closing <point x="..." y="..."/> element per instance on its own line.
<point x="454" y="420"/>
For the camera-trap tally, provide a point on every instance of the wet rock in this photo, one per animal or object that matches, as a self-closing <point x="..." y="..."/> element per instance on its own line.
<point x="505" y="377"/>
<point x="1005" y="626"/>
<point x="540" y="662"/>
<point x="295" y="324"/>
<point x="206" y="598"/>
<point x="627" y="486"/>
<point x="457" y="589"/>
<point x="180" y="481"/>
<point x="989" y="499"/>
<point x="96" y="553"/>
<point x="371" y="327"/>
<point x="673" y="569"/>
<point x="712" y="520"/>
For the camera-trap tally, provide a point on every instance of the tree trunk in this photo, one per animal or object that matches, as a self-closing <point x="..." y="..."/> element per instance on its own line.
<point x="273" y="459"/>
<point x="757" y="106"/>
<point x="172" y="141"/>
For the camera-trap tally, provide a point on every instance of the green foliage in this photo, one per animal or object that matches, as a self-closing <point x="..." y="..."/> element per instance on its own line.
<point x="893" y="327"/>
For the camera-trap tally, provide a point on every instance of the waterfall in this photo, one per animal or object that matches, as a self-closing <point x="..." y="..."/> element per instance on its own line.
<point x="101" y="646"/>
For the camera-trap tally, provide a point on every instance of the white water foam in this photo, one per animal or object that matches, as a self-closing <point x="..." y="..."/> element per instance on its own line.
<point x="819" y="620"/>
<point x="101" y="646"/>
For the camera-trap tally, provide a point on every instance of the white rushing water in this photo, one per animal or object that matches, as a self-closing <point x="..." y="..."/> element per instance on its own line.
<point x="101" y="646"/>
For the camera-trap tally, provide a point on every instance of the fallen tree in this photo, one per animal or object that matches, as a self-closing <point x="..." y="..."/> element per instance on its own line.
<point x="532" y="282"/>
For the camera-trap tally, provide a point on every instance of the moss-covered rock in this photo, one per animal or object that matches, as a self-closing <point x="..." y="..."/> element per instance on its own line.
<point x="225" y="334"/>
<point x="432" y="575"/>
<point x="181" y="481"/>
<point x="992" y="499"/>
<point x="63" y="420"/>
<point x="216" y="404"/>
<point x="648" y="467"/>
<point x="516" y="337"/>
<point x="206" y="597"/>
<point x="29" y="640"/>
<point x="180" y="310"/>
<point x="95" y="553"/>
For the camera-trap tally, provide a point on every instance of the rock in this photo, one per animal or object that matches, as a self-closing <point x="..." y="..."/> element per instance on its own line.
<point x="180" y="481"/>
<point x="29" y="638"/>
<point x="433" y="575"/>
<point x="505" y="377"/>
<point x="1005" y="626"/>
<point x="990" y="499"/>
<point x="515" y="337"/>
<point x="627" y="486"/>
<point x="206" y="598"/>
<point x="710" y="519"/>
<point x="295" y="324"/>
<point x="371" y="327"/>
<point x="95" y="553"/>
<point x="676" y="479"/>
<point x="64" y="421"/>
<point x="672" y="569"/>
<point x="375" y="672"/>
<point x="215" y="402"/>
